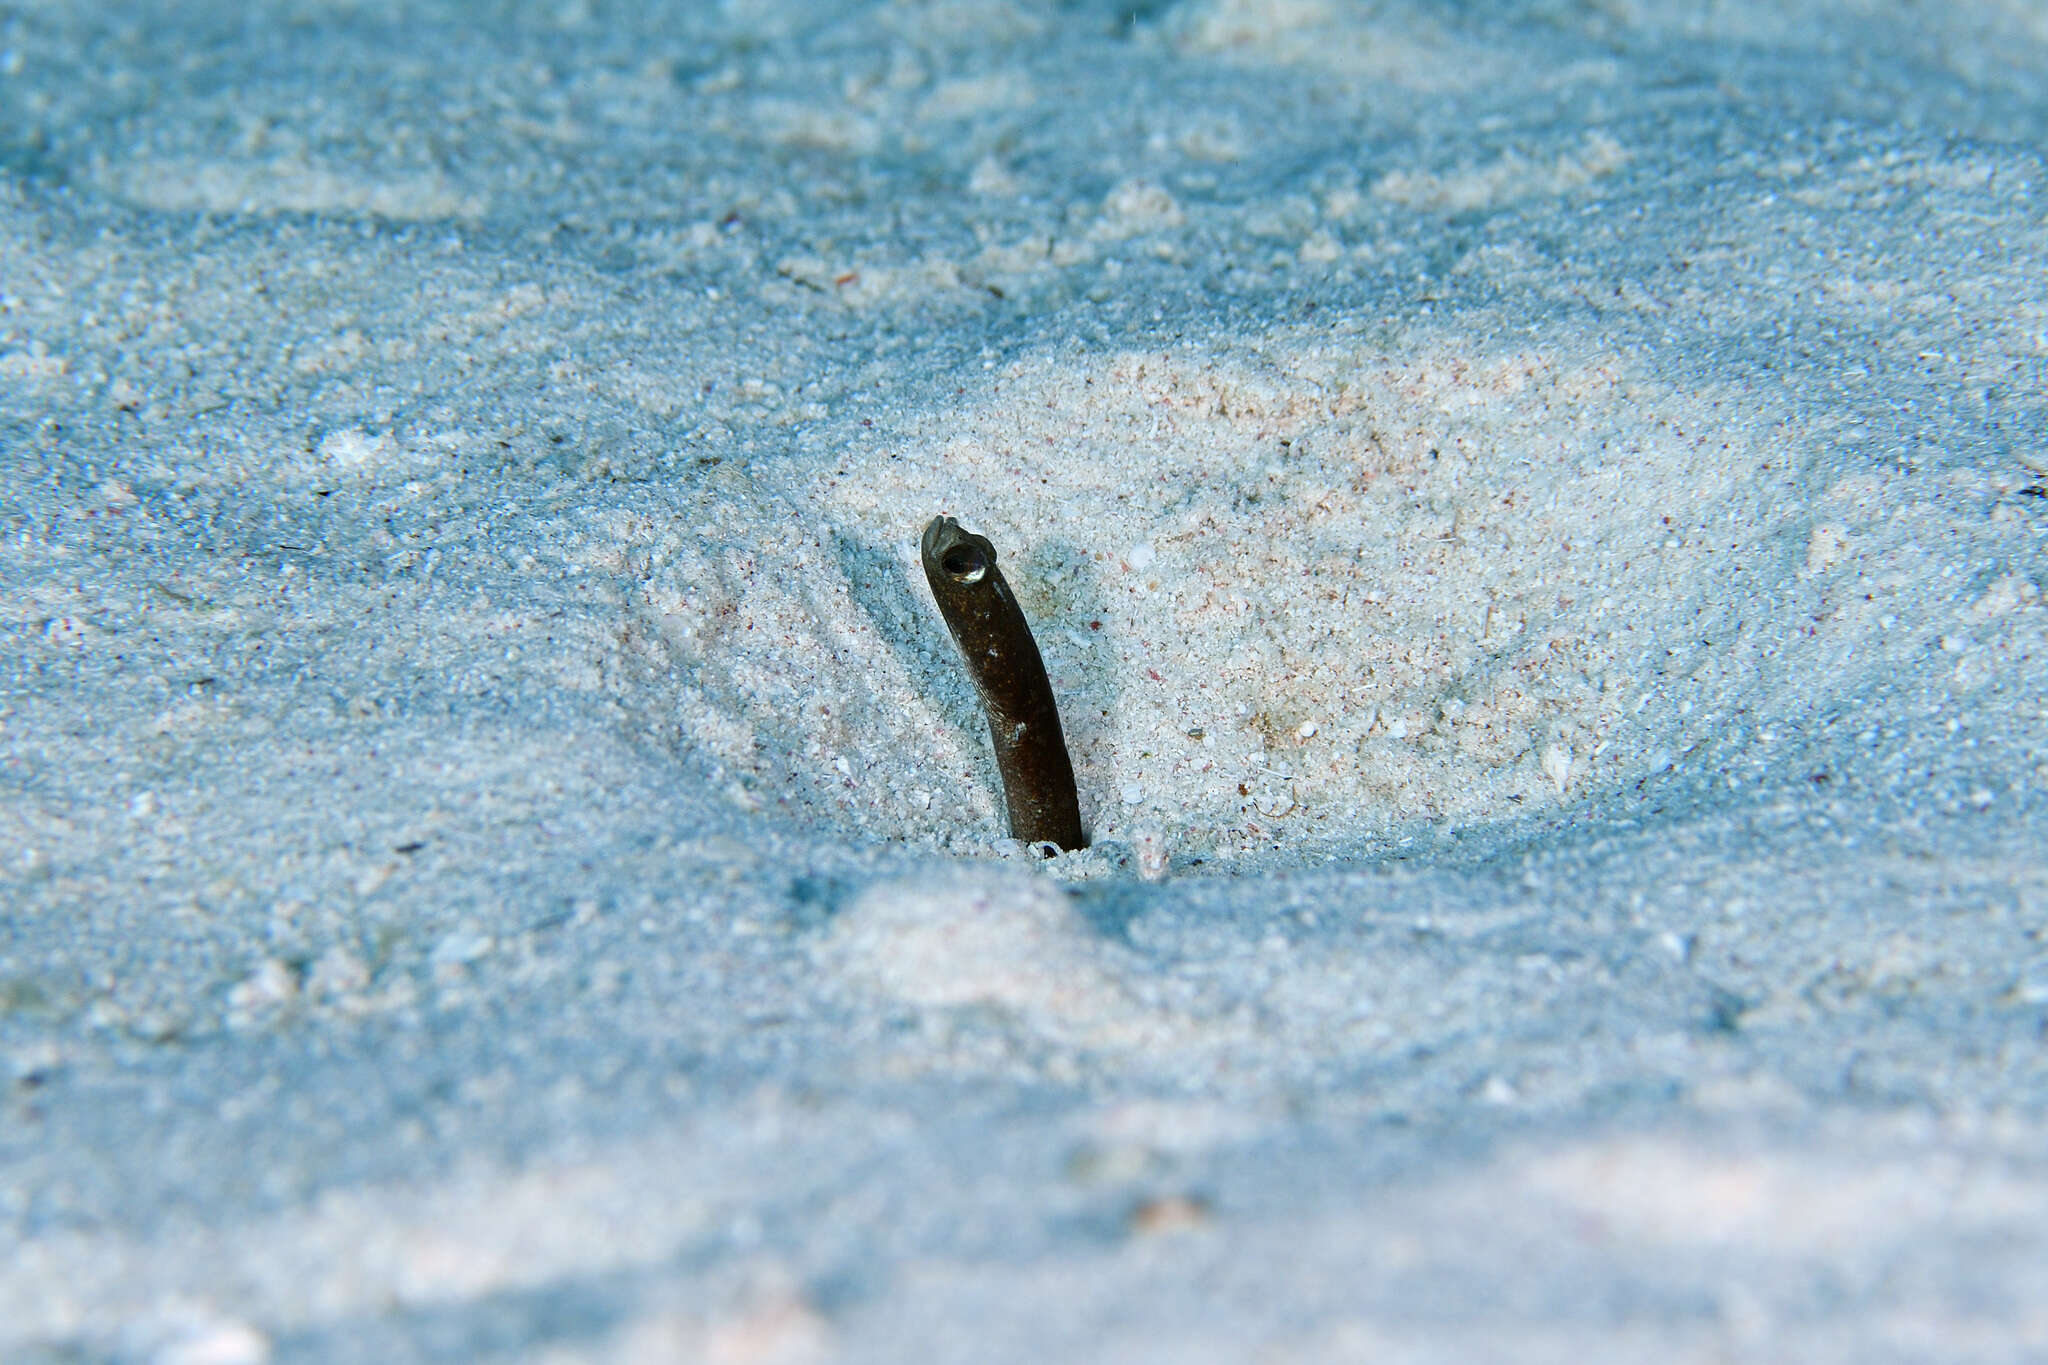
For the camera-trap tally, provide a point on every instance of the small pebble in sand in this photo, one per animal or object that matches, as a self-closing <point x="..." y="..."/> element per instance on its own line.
<point x="1148" y="842"/>
<point x="1557" y="766"/>
<point x="1170" y="1213"/>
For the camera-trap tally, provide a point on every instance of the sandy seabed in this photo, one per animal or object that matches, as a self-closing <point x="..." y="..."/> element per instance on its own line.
<point x="1535" y="515"/>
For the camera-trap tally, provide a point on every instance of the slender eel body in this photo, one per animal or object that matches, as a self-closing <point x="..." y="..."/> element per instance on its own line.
<point x="987" y="624"/>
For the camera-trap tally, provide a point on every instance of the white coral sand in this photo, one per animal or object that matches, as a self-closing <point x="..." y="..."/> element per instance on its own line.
<point x="1534" y="513"/>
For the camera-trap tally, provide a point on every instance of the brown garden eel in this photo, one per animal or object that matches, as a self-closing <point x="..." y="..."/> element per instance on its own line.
<point x="1003" y="659"/>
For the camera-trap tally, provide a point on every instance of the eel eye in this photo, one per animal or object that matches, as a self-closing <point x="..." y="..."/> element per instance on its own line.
<point x="964" y="564"/>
